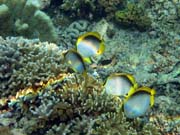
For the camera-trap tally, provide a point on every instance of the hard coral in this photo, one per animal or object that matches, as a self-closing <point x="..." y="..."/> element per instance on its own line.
<point x="26" y="62"/>
<point x="74" y="30"/>
<point x="79" y="8"/>
<point x="73" y="104"/>
<point x="133" y="15"/>
<point x="5" y="131"/>
<point x="23" y="17"/>
<point x="91" y="9"/>
<point x="111" y="6"/>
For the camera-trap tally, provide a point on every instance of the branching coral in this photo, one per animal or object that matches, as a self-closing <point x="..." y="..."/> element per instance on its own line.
<point x="23" y="17"/>
<point x="73" y="105"/>
<point x="9" y="63"/>
<point x="27" y="62"/>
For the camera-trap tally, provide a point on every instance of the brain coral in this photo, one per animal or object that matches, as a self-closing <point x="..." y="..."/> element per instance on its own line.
<point x="74" y="30"/>
<point x="26" y="62"/>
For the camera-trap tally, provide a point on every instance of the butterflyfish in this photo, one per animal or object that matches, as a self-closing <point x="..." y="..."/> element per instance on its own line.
<point x="120" y="84"/>
<point x="139" y="102"/>
<point x="89" y="45"/>
<point x="75" y="61"/>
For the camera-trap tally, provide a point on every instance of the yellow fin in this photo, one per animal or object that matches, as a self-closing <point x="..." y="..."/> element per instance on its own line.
<point x="132" y="80"/>
<point x="101" y="48"/>
<point x="152" y="92"/>
<point x="131" y="87"/>
<point x="87" y="60"/>
<point x="81" y="37"/>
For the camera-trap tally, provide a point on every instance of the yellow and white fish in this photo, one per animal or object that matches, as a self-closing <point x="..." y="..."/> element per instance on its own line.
<point x="120" y="84"/>
<point x="139" y="102"/>
<point x="75" y="61"/>
<point x="89" y="45"/>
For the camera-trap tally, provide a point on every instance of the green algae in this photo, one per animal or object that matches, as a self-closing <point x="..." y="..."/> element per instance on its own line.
<point x="133" y="15"/>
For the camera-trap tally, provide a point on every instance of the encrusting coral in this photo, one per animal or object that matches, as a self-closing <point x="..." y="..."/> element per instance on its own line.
<point x="128" y="13"/>
<point x="24" y="18"/>
<point x="111" y="6"/>
<point x="133" y="14"/>
<point x="91" y="9"/>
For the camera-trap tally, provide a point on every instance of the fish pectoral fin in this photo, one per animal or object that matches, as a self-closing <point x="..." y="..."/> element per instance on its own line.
<point x="69" y="62"/>
<point x="87" y="60"/>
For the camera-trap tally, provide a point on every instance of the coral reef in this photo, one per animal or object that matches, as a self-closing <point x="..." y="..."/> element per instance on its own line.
<point x="153" y="58"/>
<point x="64" y="104"/>
<point x="128" y="13"/>
<point x="165" y="16"/>
<point x="72" y="106"/>
<point x="91" y="9"/>
<point x="134" y="14"/>
<point x="111" y="6"/>
<point x="26" y="62"/>
<point x="40" y="96"/>
<point x="45" y="3"/>
<point x="24" y="18"/>
<point x="69" y="35"/>
<point x="165" y="10"/>
<point x="5" y="131"/>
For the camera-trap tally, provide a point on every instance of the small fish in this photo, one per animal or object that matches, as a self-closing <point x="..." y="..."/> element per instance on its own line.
<point x="139" y="102"/>
<point x="120" y="84"/>
<point x="89" y="45"/>
<point x="75" y="61"/>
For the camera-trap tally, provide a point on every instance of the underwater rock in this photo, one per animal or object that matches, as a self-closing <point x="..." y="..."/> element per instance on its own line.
<point x="102" y="27"/>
